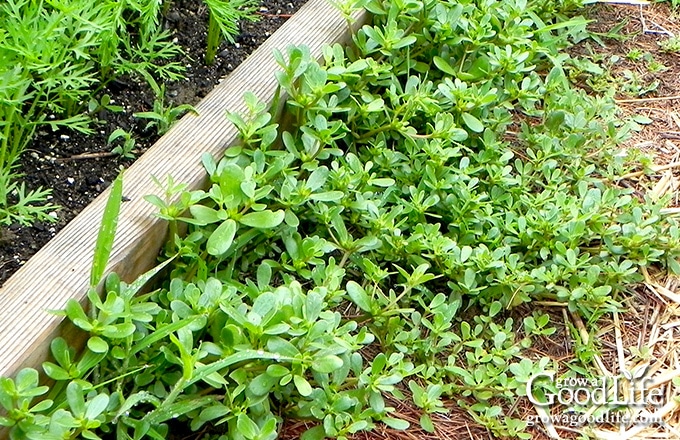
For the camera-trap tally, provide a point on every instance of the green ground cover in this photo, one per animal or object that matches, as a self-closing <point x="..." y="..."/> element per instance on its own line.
<point x="424" y="185"/>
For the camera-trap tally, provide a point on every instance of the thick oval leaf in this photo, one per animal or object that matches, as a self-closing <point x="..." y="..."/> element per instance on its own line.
<point x="473" y="123"/>
<point x="277" y="371"/>
<point x="55" y="372"/>
<point x="303" y="387"/>
<point x="465" y="253"/>
<point x="96" y="406"/>
<point x="327" y="364"/>
<point x="283" y="347"/>
<point x="75" y="311"/>
<point x="357" y="426"/>
<point x="406" y="41"/>
<point x="60" y="351"/>
<point x="444" y="66"/>
<point x="263" y="219"/>
<point x="230" y="178"/>
<point x="426" y="423"/>
<point x="262" y="384"/>
<point x="246" y="426"/>
<point x="317" y="178"/>
<point x="264" y="275"/>
<point x="398" y="424"/>
<point x="220" y="240"/>
<point x="208" y="162"/>
<point x="359" y="296"/>
<point x="494" y="309"/>
<point x="75" y="399"/>
<point x="316" y="433"/>
<point x="97" y="345"/>
<point x="291" y="219"/>
<point x="328" y="196"/>
<point x="204" y="215"/>
<point x="118" y="331"/>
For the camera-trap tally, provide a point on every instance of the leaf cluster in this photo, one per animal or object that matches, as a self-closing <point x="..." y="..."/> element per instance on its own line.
<point x="373" y="247"/>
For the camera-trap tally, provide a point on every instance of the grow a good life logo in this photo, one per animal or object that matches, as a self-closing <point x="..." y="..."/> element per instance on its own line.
<point x="630" y="399"/>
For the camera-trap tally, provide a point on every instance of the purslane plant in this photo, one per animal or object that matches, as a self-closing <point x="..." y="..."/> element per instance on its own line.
<point x="425" y="182"/>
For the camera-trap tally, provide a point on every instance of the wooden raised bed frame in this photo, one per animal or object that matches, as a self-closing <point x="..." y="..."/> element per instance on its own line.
<point x="60" y="270"/>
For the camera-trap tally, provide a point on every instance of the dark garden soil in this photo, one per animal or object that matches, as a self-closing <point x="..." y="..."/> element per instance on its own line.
<point x="78" y="167"/>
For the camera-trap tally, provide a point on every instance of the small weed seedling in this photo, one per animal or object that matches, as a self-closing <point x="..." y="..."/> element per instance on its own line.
<point x="96" y="106"/>
<point x="671" y="44"/>
<point x="126" y="148"/>
<point x="163" y="116"/>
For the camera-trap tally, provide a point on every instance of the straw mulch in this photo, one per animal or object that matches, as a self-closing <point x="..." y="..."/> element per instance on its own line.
<point x="646" y="336"/>
<point x="456" y="424"/>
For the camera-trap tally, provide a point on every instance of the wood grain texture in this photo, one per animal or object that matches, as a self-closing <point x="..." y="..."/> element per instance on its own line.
<point x="60" y="270"/>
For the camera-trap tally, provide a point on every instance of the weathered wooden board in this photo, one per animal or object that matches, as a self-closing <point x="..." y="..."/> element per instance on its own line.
<point x="60" y="270"/>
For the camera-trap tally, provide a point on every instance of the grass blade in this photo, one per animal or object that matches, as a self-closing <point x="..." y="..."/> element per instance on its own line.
<point x="107" y="231"/>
